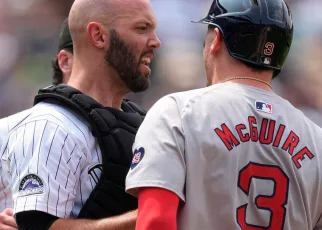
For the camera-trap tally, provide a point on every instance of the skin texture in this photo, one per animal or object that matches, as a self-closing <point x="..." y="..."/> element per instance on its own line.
<point x="117" y="35"/>
<point x="7" y="222"/>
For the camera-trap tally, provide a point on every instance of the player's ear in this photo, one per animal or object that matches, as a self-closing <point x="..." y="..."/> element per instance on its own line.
<point x="97" y="34"/>
<point x="65" y="61"/>
<point x="216" y="43"/>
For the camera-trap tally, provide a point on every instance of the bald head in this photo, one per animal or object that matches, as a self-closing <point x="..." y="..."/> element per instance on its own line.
<point x="104" y="12"/>
<point x="85" y="11"/>
<point x="118" y="36"/>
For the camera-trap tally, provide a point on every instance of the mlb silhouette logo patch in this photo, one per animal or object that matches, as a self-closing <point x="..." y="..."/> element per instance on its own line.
<point x="137" y="157"/>
<point x="31" y="185"/>
<point x="263" y="107"/>
<point x="266" y="60"/>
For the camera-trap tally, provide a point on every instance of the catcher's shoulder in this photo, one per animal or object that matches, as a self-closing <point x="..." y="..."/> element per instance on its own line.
<point x="134" y="106"/>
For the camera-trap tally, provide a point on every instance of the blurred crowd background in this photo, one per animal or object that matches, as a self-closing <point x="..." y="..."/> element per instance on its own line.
<point x="29" y="32"/>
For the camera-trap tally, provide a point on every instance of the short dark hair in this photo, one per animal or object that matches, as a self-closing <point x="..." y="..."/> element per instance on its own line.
<point x="65" y="43"/>
<point x="57" y="77"/>
<point x="65" y="38"/>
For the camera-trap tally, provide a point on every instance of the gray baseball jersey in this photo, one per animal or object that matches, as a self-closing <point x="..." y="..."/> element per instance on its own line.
<point x="238" y="157"/>
<point x="53" y="161"/>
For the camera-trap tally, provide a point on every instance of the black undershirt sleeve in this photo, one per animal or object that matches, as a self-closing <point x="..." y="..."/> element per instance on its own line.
<point x="34" y="220"/>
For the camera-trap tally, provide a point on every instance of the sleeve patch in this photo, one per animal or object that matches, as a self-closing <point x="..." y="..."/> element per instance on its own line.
<point x="31" y="184"/>
<point x="137" y="157"/>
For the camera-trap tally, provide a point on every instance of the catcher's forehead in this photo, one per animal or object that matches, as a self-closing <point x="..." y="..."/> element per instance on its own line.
<point x="136" y="10"/>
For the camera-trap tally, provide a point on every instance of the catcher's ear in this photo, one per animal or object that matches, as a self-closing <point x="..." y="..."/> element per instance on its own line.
<point x="97" y="34"/>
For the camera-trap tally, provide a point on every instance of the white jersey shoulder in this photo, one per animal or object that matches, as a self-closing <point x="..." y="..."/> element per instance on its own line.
<point x="245" y="151"/>
<point x="50" y="155"/>
<point x="6" y="125"/>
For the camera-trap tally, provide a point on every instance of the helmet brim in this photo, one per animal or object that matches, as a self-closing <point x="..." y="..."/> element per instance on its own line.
<point x="202" y="21"/>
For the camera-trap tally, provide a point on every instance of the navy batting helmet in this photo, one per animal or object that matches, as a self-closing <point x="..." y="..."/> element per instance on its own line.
<point x="258" y="32"/>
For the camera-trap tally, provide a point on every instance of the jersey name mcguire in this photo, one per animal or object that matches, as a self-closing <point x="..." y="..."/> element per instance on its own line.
<point x="265" y="134"/>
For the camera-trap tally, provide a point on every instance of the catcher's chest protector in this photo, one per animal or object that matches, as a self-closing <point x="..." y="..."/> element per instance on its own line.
<point x="115" y="131"/>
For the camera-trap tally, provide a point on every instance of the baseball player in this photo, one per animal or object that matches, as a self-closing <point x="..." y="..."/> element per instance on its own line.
<point x="233" y="155"/>
<point x="61" y="71"/>
<point x="53" y="158"/>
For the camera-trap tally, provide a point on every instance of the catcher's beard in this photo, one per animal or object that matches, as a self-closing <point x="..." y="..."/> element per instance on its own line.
<point x="122" y="58"/>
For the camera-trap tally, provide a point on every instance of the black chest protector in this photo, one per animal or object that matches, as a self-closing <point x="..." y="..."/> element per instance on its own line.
<point x="115" y="131"/>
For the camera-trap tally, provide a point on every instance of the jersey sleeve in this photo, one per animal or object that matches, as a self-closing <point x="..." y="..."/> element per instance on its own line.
<point x="5" y="196"/>
<point x="45" y="167"/>
<point x="158" y="159"/>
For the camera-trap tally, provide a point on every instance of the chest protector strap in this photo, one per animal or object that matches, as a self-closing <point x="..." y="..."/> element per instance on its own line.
<point x="115" y="131"/>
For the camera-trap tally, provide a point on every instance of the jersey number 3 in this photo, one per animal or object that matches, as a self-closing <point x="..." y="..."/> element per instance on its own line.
<point x="269" y="48"/>
<point x="274" y="203"/>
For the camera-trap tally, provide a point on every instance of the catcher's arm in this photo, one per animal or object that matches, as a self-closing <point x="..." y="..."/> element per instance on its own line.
<point x="123" y="222"/>
<point x="26" y="221"/>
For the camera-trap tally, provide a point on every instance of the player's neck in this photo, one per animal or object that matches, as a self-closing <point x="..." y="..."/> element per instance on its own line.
<point x="243" y="75"/>
<point x="104" y="87"/>
<point x="255" y="82"/>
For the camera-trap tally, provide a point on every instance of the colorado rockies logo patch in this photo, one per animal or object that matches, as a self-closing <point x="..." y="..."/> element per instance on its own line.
<point x="137" y="157"/>
<point x="31" y="185"/>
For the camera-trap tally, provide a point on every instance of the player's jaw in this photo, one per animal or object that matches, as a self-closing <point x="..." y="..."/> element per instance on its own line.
<point x="133" y="71"/>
